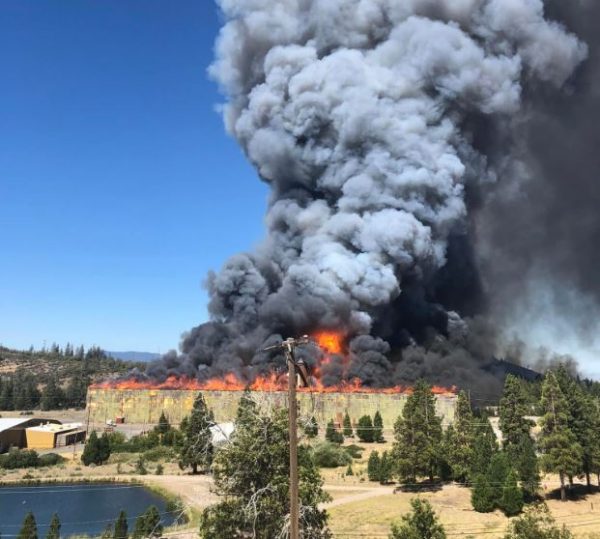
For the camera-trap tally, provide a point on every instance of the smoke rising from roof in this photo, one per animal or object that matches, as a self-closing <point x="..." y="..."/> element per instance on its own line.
<point x="395" y="138"/>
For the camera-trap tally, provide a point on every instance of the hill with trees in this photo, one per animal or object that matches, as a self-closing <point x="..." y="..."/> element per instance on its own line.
<point x="55" y="377"/>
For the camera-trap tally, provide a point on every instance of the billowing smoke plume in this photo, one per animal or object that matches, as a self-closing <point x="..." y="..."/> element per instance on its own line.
<point x="385" y="131"/>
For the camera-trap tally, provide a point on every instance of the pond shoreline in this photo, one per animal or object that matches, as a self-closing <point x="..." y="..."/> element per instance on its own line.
<point x="145" y="482"/>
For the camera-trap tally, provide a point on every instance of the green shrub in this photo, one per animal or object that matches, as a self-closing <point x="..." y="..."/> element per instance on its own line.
<point x="50" y="459"/>
<point x="16" y="458"/>
<point x="159" y="453"/>
<point x="330" y="455"/>
<point x="355" y="451"/>
<point x="364" y="429"/>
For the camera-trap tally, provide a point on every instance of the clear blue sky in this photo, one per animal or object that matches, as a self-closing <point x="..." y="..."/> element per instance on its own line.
<point x="119" y="188"/>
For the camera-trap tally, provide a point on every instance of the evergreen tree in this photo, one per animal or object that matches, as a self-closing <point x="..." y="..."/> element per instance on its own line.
<point x="482" y="497"/>
<point x="53" y="396"/>
<point x="108" y="532"/>
<point x="421" y="523"/>
<point x="536" y="523"/>
<point x="484" y="448"/>
<point x="91" y="450"/>
<point x="582" y="419"/>
<point x="251" y="475"/>
<point x="378" y="428"/>
<point x="347" y="426"/>
<point x="374" y="466"/>
<point x="28" y="528"/>
<point x="418" y="436"/>
<point x="459" y="440"/>
<point x="121" y="528"/>
<point x="364" y="429"/>
<point x="103" y="449"/>
<point x="511" y="502"/>
<point x="385" y="468"/>
<point x="247" y="407"/>
<point x="561" y="452"/>
<point x="498" y="471"/>
<point x="7" y="395"/>
<point x="163" y="424"/>
<point x="311" y="428"/>
<point x="516" y="436"/>
<point x="349" y="469"/>
<point x="148" y="524"/>
<point x="54" y="530"/>
<point x="512" y="411"/>
<point x="196" y="448"/>
<point x="332" y="434"/>
<point x="527" y="467"/>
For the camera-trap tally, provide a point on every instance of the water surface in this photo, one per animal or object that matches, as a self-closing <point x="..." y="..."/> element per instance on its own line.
<point x="82" y="508"/>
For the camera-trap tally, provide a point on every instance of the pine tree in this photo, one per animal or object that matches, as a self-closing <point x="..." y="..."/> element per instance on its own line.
<point x="536" y="523"/>
<point x="385" y="468"/>
<point x="148" y="524"/>
<point x="103" y="449"/>
<point x="582" y="420"/>
<point x="54" y="530"/>
<point x="196" y="449"/>
<point x="482" y="497"/>
<point x="91" y="450"/>
<point x="374" y="466"/>
<point x="53" y="396"/>
<point x="364" y="429"/>
<point x="459" y="440"/>
<point x="511" y="502"/>
<point x="527" y="467"/>
<point x="121" y="528"/>
<point x="311" y="428"/>
<point x="332" y="434"/>
<point x="378" y="428"/>
<point x="561" y="452"/>
<point x="512" y="411"/>
<point x="421" y="523"/>
<point x="7" y="395"/>
<point x="347" y="426"/>
<point x="251" y="476"/>
<point x="497" y="473"/>
<point x="418" y="436"/>
<point x="29" y="528"/>
<point x="484" y="448"/>
<point x="247" y="407"/>
<point x="163" y="424"/>
<point x="349" y="470"/>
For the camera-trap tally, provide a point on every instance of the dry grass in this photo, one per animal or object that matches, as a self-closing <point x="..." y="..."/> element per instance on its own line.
<point x="371" y="512"/>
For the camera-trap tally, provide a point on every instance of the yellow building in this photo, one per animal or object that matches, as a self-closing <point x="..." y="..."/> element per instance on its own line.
<point x="51" y="435"/>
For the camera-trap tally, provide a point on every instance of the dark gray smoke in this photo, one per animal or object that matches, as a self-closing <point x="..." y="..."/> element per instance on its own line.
<point x="396" y="138"/>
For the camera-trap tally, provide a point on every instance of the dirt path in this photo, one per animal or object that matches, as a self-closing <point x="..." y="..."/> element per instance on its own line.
<point x="194" y="490"/>
<point x="365" y="494"/>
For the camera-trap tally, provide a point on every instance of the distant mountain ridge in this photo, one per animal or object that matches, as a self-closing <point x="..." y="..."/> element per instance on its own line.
<point x="134" y="356"/>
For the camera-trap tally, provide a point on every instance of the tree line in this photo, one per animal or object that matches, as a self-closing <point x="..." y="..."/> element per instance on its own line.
<point x="147" y="525"/>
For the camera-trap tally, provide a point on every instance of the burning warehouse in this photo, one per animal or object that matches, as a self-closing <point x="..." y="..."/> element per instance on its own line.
<point x="142" y="401"/>
<point x="144" y="405"/>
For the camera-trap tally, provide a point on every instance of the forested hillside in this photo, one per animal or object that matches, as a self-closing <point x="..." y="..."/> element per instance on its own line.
<point x="53" y="378"/>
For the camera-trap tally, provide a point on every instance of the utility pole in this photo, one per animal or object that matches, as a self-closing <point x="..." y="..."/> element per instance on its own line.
<point x="294" y="368"/>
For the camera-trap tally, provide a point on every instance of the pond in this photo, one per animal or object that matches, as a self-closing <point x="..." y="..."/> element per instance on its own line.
<point x="85" y="508"/>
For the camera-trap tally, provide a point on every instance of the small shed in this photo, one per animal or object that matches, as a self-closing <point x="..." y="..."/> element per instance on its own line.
<point x="52" y="435"/>
<point x="12" y="430"/>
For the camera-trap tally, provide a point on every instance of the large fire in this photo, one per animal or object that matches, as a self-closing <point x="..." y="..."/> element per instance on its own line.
<point x="330" y="342"/>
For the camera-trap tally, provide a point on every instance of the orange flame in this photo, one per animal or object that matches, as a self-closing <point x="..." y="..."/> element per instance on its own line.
<point x="269" y="383"/>
<point x="330" y="341"/>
